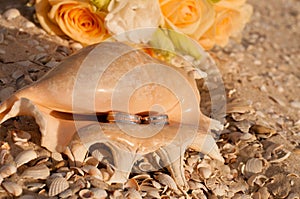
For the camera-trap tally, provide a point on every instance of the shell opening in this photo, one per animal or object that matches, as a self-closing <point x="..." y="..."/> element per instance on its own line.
<point x="116" y="117"/>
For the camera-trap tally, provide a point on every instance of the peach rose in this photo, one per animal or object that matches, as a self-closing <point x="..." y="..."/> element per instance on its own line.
<point x="231" y="17"/>
<point x="75" y="18"/>
<point x="190" y="17"/>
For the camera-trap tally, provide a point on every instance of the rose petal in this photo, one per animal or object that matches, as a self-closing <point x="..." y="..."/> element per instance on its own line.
<point x="42" y="7"/>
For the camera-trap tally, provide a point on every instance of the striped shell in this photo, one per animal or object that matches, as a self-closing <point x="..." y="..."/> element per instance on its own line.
<point x="58" y="185"/>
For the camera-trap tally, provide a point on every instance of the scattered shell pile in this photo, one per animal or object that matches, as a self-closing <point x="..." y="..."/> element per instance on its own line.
<point x="29" y="171"/>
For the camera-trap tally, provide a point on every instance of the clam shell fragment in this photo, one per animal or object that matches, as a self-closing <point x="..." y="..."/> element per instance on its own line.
<point x="25" y="157"/>
<point x="12" y="188"/>
<point x="7" y="170"/>
<point x="37" y="172"/>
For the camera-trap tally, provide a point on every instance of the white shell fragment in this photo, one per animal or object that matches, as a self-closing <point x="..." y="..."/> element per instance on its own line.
<point x="11" y="14"/>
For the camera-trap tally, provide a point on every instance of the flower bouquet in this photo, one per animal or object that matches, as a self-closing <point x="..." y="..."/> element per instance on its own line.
<point x="208" y="22"/>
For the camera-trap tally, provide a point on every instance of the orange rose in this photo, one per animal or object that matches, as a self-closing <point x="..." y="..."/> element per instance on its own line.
<point x="75" y="18"/>
<point x="191" y="17"/>
<point x="231" y="18"/>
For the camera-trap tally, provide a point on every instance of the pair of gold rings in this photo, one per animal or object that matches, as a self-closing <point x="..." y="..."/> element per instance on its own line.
<point x="115" y="117"/>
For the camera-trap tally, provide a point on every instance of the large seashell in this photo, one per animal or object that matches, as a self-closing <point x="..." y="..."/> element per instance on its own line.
<point x="57" y="186"/>
<point x="7" y="170"/>
<point x="121" y="80"/>
<point x="12" y="188"/>
<point x="37" y="172"/>
<point x="25" y="156"/>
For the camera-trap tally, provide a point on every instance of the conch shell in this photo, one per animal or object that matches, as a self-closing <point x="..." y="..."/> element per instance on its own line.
<point x="115" y="81"/>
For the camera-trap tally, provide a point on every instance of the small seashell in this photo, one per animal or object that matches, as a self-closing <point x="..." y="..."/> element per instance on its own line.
<point x="166" y="180"/>
<point x="35" y="186"/>
<point x="262" y="193"/>
<point x="246" y="136"/>
<point x="29" y="24"/>
<point x="2" y="51"/>
<point x="7" y="170"/>
<point x="132" y="183"/>
<point x="220" y="189"/>
<point x="52" y="63"/>
<point x="65" y="51"/>
<point x="11" y="14"/>
<point x="254" y="165"/>
<point x="134" y="194"/>
<point x="106" y="176"/>
<point x="293" y="196"/>
<point x="75" y="46"/>
<point x="40" y="171"/>
<point x="12" y="188"/>
<point x="91" y="161"/>
<point x="280" y="185"/>
<point x="244" y="125"/>
<point x="99" y="193"/>
<point x="27" y="197"/>
<point x="257" y="179"/>
<point x="79" y="183"/>
<point x="57" y="186"/>
<point x="22" y="35"/>
<point x="77" y="171"/>
<point x="6" y="92"/>
<point x="93" y="171"/>
<point x="262" y="131"/>
<point x="86" y="193"/>
<point x="153" y="194"/>
<point x="98" y="183"/>
<point x="56" y="156"/>
<point x="66" y="193"/>
<point x="196" y="185"/>
<point x="205" y="172"/>
<point x="1" y="38"/>
<point x="25" y="157"/>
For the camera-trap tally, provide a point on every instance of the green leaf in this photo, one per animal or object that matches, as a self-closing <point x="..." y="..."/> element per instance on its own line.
<point x="214" y="1"/>
<point x="100" y="4"/>
<point x="184" y="44"/>
<point x="161" y="41"/>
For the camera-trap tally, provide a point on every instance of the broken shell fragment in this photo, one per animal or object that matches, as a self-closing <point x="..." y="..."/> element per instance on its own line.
<point x="20" y="136"/>
<point x="12" y="188"/>
<point x="25" y="157"/>
<point x="166" y="180"/>
<point x="37" y="172"/>
<point x="7" y="170"/>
